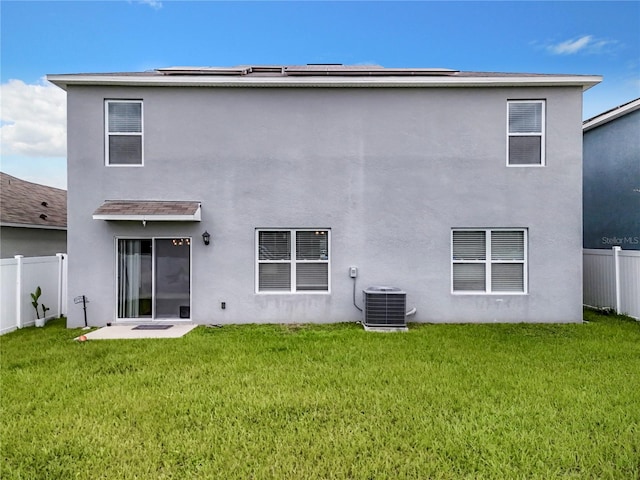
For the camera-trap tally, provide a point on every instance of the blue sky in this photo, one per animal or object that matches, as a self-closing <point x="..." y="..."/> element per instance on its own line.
<point x="40" y="38"/>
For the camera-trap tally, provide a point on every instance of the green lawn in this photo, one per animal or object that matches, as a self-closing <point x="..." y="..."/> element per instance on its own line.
<point x="333" y="401"/>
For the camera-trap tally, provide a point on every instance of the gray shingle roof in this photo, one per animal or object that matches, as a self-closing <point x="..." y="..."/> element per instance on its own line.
<point x="147" y="207"/>
<point x="31" y="204"/>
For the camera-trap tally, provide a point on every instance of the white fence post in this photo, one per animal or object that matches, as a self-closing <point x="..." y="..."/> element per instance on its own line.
<point x="18" y="291"/>
<point x="65" y="285"/>
<point x="616" y="276"/>
<point x="60" y="280"/>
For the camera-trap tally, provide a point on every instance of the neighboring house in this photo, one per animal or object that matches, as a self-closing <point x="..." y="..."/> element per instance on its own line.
<point x="612" y="178"/>
<point x="33" y="218"/>
<point x="461" y="188"/>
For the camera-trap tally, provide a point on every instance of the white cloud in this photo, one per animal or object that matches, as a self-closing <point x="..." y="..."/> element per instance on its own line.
<point x="33" y="119"/>
<point x="155" y="4"/>
<point x="571" y="46"/>
<point x="583" y="44"/>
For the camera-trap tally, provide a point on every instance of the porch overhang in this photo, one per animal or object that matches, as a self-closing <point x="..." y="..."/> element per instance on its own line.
<point x="149" y="211"/>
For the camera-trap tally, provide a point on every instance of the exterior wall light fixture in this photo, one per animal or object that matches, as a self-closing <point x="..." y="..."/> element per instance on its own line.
<point x="206" y="237"/>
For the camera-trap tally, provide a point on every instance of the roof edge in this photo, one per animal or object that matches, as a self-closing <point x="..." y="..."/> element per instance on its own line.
<point x="65" y="80"/>
<point x="610" y="115"/>
<point x="32" y="225"/>
<point x="196" y="217"/>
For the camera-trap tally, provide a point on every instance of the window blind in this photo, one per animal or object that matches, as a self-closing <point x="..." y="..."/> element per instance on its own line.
<point x="311" y="245"/>
<point x="125" y="150"/>
<point x="469" y="245"/>
<point x="125" y="117"/>
<point x="507" y="277"/>
<point x="525" y="150"/>
<point x="274" y="245"/>
<point x="312" y="276"/>
<point x="525" y="117"/>
<point x="274" y="276"/>
<point x="507" y="245"/>
<point x="469" y="277"/>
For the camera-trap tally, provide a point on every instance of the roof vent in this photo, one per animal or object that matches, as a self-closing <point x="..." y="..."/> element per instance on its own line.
<point x="238" y="71"/>
<point x="44" y="204"/>
<point x="43" y="216"/>
<point x="266" y="69"/>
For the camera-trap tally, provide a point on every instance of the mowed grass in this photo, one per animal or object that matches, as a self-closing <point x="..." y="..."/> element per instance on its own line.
<point x="330" y="401"/>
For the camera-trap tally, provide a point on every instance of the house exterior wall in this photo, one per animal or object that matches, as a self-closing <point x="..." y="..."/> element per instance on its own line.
<point x="612" y="184"/>
<point x="391" y="171"/>
<point x="32" y="242"/>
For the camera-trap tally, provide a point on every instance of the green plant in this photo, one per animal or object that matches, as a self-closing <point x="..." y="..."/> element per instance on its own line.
<point x="34" y="301"/>
<point x="34" y="297"/>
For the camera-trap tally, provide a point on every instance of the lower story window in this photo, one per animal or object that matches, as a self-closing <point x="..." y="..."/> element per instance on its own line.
<point x="292" y="260"/>
<point x="489" y="261"/>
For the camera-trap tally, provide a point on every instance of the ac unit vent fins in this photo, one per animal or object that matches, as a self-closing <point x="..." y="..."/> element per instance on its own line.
<point x="385" y="307"/>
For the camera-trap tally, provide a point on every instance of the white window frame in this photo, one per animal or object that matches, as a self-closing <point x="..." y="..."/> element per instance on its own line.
<point x="488" y="262"/>
<point x="541" y="134"/>
<point x="292" y="261"/>
<point x="107" y="133"/>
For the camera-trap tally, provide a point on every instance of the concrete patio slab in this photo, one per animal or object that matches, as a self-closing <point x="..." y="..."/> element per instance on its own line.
<point x="124" y="332"/>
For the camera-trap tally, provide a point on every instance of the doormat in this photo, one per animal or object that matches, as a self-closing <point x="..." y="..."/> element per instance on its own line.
<point x="152" y="327"/>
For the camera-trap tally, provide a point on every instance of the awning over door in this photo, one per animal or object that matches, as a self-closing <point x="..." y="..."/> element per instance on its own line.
<point x="149" y="211"/>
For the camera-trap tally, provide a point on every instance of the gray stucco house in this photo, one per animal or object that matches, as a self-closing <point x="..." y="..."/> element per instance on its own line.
<point x="612" y="178"/>
<point x="33" y="218"/>
<point x="463" y="189"/>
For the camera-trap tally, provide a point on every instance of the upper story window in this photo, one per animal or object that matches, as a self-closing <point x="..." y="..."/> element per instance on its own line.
<point x="489" y="261"/>
<point x="525" y="132"/>
<point x="123" y="133"/>
<point x="292" y="261"/>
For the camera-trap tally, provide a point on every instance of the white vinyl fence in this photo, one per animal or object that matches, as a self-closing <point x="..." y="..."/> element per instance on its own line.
<point x="612" y="280"/>
<point x="21" y="276"/>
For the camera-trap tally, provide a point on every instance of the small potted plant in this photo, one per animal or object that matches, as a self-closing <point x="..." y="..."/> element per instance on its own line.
<point x="34" y="301"/>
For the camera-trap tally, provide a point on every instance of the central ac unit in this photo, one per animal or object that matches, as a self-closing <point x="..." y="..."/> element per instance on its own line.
<point x="385" y="307"/>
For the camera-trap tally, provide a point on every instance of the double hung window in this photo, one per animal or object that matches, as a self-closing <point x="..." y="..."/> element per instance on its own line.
<point x="489" y="261"/>
<point x="123" y="133"/>
<point x="292" y="261"/>
<point x="526" y="132"/>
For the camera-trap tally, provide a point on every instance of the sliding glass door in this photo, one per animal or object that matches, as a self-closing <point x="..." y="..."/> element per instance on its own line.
<point x="173" y="288"/>
<point x="154" y="278"/>
<point x="135" y="285"/>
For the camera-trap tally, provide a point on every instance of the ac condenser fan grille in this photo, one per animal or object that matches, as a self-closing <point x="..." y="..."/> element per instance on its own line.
<point x="385" y="307"/>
